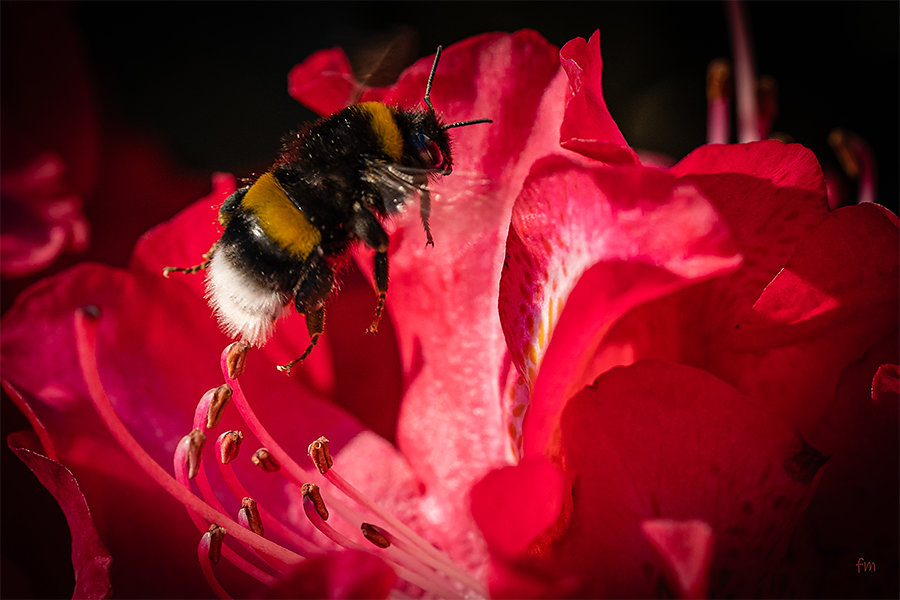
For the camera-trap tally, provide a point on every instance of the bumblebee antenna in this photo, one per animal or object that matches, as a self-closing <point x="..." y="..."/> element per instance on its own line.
<point x="464" y="123"/>
<point x="437" y="57"/>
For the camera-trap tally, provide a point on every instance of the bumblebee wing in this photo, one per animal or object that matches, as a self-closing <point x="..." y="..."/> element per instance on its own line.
<point x="395" y="184"/>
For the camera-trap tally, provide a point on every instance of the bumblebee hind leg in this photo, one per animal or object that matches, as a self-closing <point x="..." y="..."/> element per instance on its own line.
<point x="207" y="257"/>
<point x="309" y="299"/>
<point x="315" y="325"/>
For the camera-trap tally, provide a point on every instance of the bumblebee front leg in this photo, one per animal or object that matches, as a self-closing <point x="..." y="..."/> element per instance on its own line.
<point x="207" y="257"/>
<point x="369" y="230"/>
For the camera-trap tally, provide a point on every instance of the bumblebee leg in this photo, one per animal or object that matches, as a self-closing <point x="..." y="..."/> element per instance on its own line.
<point x="188" y="270"/>
<point x="424" y="213"/>
<point x="315" y="325"/>
<point x="381" y="283"/>
<point x="309" y="299"/>
<point x="369" y="230"/>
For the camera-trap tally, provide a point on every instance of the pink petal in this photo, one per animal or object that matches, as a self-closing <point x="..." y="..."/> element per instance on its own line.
<point x="41" y="217"/>
<point x="586" y="244"/>
<point x="886" y="385"/>
<point x="323" y="82"/>
<point x="90" y="558"/>
<point x="347" y="574"/>
<point x="661" y="441"/>
<point x="588" y="128"/>
<point x="854" y="511"/>
<point x="154" y="335"/>
<point x="770" y="194"/>
<point x="836" y="297"/>
<point x="443" y="299"/>
<point x="685" y="548"/>
<point x="784" y="165"/>
<point x="528" y="495"/>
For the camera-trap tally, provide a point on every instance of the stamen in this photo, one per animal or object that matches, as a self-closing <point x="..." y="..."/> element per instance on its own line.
<point x="320" y="455"/>
<point x="234" y="484"/>
<point x="249" y="516"/>
<point x="744" y="73"/>
<point x="315" y="510"/>
<point x="236" y="359"/>
<point x="311" y="491"/>
<point x="375" y="534"/>
<point x="718" y="102"/>
<point x="192" y="445"/>
<point x="263" y="459"/>
<point x="405" y="549"/>
<point x="209" y="551"/>
<point x="216" y="536"/>
<point x="85" y="325"/>
<point x="857" y="160"/>
<point x="233" y="557"/>
<point x="317" y="513"/>
<point x="229" y="444"/>
<point x="181" y="474"/>
<point x="293" y="471"/>
<point x="221" y="396"/>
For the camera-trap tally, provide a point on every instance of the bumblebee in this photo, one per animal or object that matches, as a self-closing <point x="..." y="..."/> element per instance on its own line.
<point x="334" y="184"/>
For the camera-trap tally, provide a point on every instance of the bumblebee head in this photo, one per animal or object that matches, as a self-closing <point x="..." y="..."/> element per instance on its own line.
<point x="427" y="145"/>
<point x="428" y="142"/>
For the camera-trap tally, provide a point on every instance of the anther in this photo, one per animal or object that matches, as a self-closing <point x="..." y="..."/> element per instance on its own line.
<point x="249" y="516"/>
<point x="718" y="80"/>
<point x="840" y="143"/>
<point x="229" y="445"/>
<point x="263" y="459"/>
<point x="195" y="441"/>
<point x="311" y="491"/>
<point x="237" y="358"/>
<point x="319" y="454"/>
<point x="375" y="534"/>
<point x="217" y="405"/>
<point x="216" y="536"/>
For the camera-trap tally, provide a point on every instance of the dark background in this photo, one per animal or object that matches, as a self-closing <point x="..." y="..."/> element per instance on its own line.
<point x="208" y="81"/>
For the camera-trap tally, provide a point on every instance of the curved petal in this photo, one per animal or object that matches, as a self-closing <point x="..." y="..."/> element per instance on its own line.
<point x="586" y="244"/>
<point x="661" y="441"/>
<point x="836" y="297"/>
<point x="588" y="128"/>
<point x="151" y="347"/>
<point x="41" y="217"/>
<point x="90" y="558"/>
<point x="686" y="551"/>
<point x="443" y="299"/>
<point x="528" y="494"/>
<point x="323" y="82"/>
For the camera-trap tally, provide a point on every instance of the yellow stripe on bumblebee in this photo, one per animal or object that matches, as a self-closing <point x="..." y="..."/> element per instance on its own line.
<point x="283" y="223"/>
<point x="381" y="118"/>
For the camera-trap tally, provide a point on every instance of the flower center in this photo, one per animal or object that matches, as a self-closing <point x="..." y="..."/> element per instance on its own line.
<point x="361" y="523"/>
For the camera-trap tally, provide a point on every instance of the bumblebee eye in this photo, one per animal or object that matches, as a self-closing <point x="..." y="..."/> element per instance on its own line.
<point x="429" y="152"/>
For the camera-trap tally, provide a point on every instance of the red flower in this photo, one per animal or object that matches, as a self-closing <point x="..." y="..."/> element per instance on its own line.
<point x="49" y="142"/>
<point x="687" y="343"/>
<point x="693" y="346"/>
